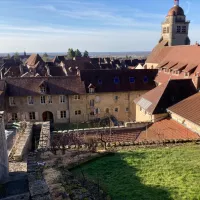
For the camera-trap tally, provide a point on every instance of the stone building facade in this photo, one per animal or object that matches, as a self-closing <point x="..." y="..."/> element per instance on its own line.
<point x="93" y="94"/>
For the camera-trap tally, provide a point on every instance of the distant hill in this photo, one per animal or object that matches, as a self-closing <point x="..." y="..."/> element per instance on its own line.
<point x="94" y="54"/>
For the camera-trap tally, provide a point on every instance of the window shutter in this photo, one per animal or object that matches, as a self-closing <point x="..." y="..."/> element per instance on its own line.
<point x="27" y="116"/>
<point x="18" y="117"/>
<point x="58" y="114"/>
<point x="67" y="113"/>
<point x="9" y="115"/>
<point x="36" y="116"/>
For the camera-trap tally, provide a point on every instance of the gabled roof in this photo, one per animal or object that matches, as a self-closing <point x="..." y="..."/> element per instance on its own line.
<point x="160" y="98"/>
<point x="24" y="86"/>
<point x="33" y="60"/>
<point x="188" y="108"/>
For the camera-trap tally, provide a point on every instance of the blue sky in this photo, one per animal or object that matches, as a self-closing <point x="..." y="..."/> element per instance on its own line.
<point x="95" y="25"/>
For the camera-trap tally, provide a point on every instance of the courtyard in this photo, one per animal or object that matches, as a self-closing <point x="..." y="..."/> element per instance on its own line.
<point x="147" y="173"/>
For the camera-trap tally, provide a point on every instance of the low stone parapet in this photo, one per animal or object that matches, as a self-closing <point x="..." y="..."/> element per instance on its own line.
<point x="24" y="143"/>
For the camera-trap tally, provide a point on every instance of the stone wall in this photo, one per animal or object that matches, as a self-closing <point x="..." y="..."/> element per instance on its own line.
<point x="44" y="141"/>
<point x="24" y="143"/>
<point x="3" y="150"/>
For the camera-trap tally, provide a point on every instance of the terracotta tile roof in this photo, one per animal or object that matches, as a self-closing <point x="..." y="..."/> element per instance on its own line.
<point x="190" y="67"/>
<point x="162" y="77"/>
<point x="159" y="52"/>
<point x="34" y="60"/>
<point x="119" y="80"/>
<point x="188" y="108"/>
<point x="166" y="129"/>
<point x="179" y="66"/>
<point x="24" y="86"/>
<point x="169" y="93"/>
<point x="186" y="54"/>
<point x="170" y="65"/>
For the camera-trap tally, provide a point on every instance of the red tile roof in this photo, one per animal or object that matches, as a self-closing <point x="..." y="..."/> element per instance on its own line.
<point x="166" y="129"/>
<point x="156" y="101"/>
<point x="159" y="52"/>
<point x="188" y="108"/>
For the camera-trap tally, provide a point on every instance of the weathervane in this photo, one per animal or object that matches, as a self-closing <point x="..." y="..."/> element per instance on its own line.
<point x="176" y="2"/>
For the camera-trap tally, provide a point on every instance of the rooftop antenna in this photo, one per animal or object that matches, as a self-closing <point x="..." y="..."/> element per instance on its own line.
<point x="176" y="2"/>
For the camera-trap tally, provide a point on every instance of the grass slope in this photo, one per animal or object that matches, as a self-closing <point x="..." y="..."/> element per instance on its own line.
<point x="160" y="173"/>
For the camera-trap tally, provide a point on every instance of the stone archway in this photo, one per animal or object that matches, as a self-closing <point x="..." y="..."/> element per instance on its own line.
<point x="47" y="116"/>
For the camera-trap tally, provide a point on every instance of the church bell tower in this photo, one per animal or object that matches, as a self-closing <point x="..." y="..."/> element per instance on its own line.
<point x="175" y="27"/>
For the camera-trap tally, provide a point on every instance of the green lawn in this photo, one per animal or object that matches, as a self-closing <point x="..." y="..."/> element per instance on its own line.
<point x="160" y="173"/>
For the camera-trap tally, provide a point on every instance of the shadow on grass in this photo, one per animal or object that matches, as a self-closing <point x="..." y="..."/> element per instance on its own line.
<point x="119" y="179"/>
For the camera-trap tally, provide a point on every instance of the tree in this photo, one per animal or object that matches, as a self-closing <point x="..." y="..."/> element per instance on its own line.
<point x="16" y="55"/>
<point x="78" y="53"/>
<point x="70" y="53"/>
<point x="45" y="57"/>
<point x="86" y="54"/>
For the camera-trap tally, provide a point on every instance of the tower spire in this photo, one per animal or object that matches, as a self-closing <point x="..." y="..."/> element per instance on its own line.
<point x="176" y="2"/>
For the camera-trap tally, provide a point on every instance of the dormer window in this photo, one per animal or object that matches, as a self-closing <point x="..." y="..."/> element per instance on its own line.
<point x="91" y="90"/>
<point x="116" y="80"/>
<point x="187" y="74"/>
<point x="42" y="89"/>
<point x="131" y="79"/>
<point x="11" y="101"/>
<point x="177" y="72"/>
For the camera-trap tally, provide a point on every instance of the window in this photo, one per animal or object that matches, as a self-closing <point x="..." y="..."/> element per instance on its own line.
<point x="145" y="79"/>
<point x="116" y="109"/>
<point x="30" y="100"/>
<point x="91" y="90"/>
<point x="127" y="109"/>
<point x="167" y="29"/>
<point x="116" y="98"/>
<point x="164" y="30"/>
<point x="14" y="117"/>
<point x="11" y="101"/>
<point x="50" y="99"/>
<point x="42" y="89"/>
<point x="32" y="116"/>
<point x="62" y="99"/>
<point x="107" y="110"/>
<point x="78" y="112"/>
<point x="63" y="114"/>
<point x="178" y="30"/>
<point x="77" y="97"/>
<point x="92" y="102"/>
<point x="187" y="73"/>
<point x="42" y="99"/>
<point x="92" y="113"/>
<point x="116" y="80"/>
<point x="183" y="29"/>
<point x="99" y="81"/>
<point x="97" y="111"/>
<point x="131" y="79"/>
